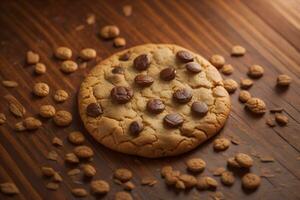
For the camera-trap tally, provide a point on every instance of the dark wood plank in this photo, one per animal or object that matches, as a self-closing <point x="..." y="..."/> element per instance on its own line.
<point x="268" y="29"/>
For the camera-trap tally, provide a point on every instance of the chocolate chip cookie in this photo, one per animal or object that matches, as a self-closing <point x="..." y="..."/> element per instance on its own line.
<point x="161" y="100"/>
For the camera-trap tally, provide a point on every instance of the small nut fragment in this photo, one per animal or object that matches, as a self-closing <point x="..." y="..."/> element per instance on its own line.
<point x="127" y="10"/>
<point x="57" y="142"/>
<point x="119" y="42"/>
<point x="40" y="68"/>
<point x="99" y="187"/>
<point x="171" y="177"/>
<point x="165" y="169"/>
<point x="52" y="155"/>
<point x="218" y="171"/>
<point x="281" y="119"/>
<point x="231" y="162"/>
<point x="251" y="181"/>
<point x="2" y="118"/>
<point x="32" y="57"/>
<point x="88" y="170"/>
<point x="71" y="158"/>
<point x="123" y="174"/>
<point x="246" y="83"/>
<point x="188" y="180"/>
<point x="15" y="107"/>
<point x="284" y="80"/>
<point x="255" y="71"/>
<point x="238" y="50"/>
<point x="230" y="85"/>
<point x="87" y="54"/>
<point x="31" y="123"/>
<point x="20" y="126"/>
<point x="68" y="66"/>
<point x="180" y="185"/>
<point x="41" y="89"/>
<point x="148" y="180"/>
<point x="83" y="152"/>
<point x="9" y="188"/>
<point x="79" y="192"/>
<point x="62" y="118"/>
<point x="47" y="111"/>
<point x="76" y="138"/>
<point x="195" y="165"/>
<point x="128" y="186"/>
<point x="217" y="60"/>
<point x="227" y="178"/>
<point x="109" y="32"/>
<point x="256" y="105"/>
<point x="270" y="122"/>
<point x="123" y="196"/>
<point x="52" y="186"/>
<point x="57" y="177"/>
<point x="48" y="171"/>
<point x="244" y="160"/>
<point x="60" y="96"/>
<point x="221" y="144"/>
<point x="9" y="84"/>
<point x="205" y="183"/>
<point x="227" y="69"/>
<point x="244" y="96"/>
<point x="63" y="53"/>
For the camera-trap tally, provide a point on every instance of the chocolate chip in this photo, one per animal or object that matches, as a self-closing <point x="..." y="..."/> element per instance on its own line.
<point x="121" y="94"/>
<point x="124" y="57"/>
<point x="155" y="106"/>
<point x="168" y="74"/>
<point x="118" y="70"/>
<point x="173" y="120"/>
<point x="141" y="62"/>
<point x="182" y="95"/>
<point x="135" y="127"/>
<point x="94" y="110"/>
<point x="193" y="67"/>
<point x="184" y="56"/>
<point x="199" y="108"/>
<point x="143" y="80"/>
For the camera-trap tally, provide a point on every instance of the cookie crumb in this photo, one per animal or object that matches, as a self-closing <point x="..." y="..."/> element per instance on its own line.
<point x="76" y="138"/>
<point x="47" y="111"/>
<point x="227" y="69"/>
<point x="283" y="80"/>
<point x="68" y="66"/>
<point x="10" y="84"/>
<point x="255" y="71"/>
<point x="63" y="53"/>
<point x="266" y="158"/>
<point x="238" y="50"/>
<point x="40" y="69"/>
<point x="195" y="165"/>
<point x="221" y="144"/>
<point x="119" y="42"/>
<point x="281" y="119"/>
<point x="60" y="96"/>
<point x="123" y="174"/>
<point x="230" y="85"/>
<point x="251" y="181"/>
<point x="217" y="60"/>
<point x="109" y="32"/>
<point x="41" y="89"/>
<point x="99" y="187"/>
<point x="57" y="142"/>
<point x="127" y="10"/>
<point x="32" y="57"/>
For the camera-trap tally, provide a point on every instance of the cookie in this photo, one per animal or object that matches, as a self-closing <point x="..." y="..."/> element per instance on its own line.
<point x="153" y="117"/>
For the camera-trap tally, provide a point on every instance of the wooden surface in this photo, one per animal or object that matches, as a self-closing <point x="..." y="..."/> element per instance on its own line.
<point x="269" y="29"/>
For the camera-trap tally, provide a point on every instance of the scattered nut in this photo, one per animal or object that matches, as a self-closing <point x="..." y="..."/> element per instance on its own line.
<point x="246" y="83"/>
<point x="88" y="170"/>
<point x="52" y="155"/>
<point x="47" y="111"/>
<point x="68" y="66"/>
<point x="195" y="165"/>
<point x="255" y="71"/>
<point x="128" y="186"/>
<point x="231" y="162"/>
<point x="227" y="178"/>
<point x="76" y="138"/>
<point x="79" y="192"/>
<point x="119" y="42"/>
<point x="148" y="181"/>
<point x="88" y="54"/>
<point x="109" y="32"/>
<point x="165" y="169"/>
<point x="244" y="96"/>
<point x="31" y="123"/>
<point x="32" y="58"/>
<point x="217" y="60"/>
<point x="218" y="171"/>
<point x="52" y="186"/>
<point x="57" y="142"/>
<point x="40" y="68"/>
<point x="63" y="53"/>
<point x="270" y="122"/>
<point x="127" y="10"/>
<point x="123" y="174"/>
<point x="251" y="181"/>
<point x="20" y="126"/>
<point x="99" y="187"/>
<point x="62" y="118"/>
<point x="230" y="85"/>
<point x="221" y="144"/>
<point x="188" y="180"/>
<point x="281" y="119"/>
<point x="238" y="50"/>
<point x="83" y="152"/>
<point x="172" y="177"/>
<point x="256" y="105"/>
<point x="57" y="177"/>
<point x="205" y="183"/>
<point x="284" y="80"/>
<point x="227" y="69"/>
<point x="71" y="158"/>
<point x="180" y="185"/>
<point x="14" y="106"/>
<point x="41" y="89"/>
<point x="74" y="172"/>
<point x="244" y="160"/>
<point x="60" y="96"/>
<point x="123" y="196"/>
<point x="2" y="118"/>
<point x="9" y="84"/>
<point x="48" y="171"/>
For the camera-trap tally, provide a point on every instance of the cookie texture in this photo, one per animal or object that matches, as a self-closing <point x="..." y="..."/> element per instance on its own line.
<point x="123" y="101"/>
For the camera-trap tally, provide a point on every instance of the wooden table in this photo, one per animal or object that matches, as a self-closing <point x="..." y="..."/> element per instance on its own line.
<point x="269" y="29"/>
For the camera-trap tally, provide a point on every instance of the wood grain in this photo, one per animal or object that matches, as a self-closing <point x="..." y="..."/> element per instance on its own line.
<point x="270" y="31"/>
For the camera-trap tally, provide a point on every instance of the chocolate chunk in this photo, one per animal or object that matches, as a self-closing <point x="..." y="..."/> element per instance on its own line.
<point x="155" y="106"/>
<point x="168" y="74"/>
<point x="199" y="108"/>
<point x="121" y="94"/>
<point x="118" y="70"/>
<point x="184" y="56"/>
<point x="124" y="57"/>
<point x="94" y="110"/>
<point x="182" y="95"/>
<point x="193" y="67"/>
<point x="135" y="127"/>
<point x="141" y="62"/>
<point x="173" y="120"/>
<point x="143" y="80"/>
